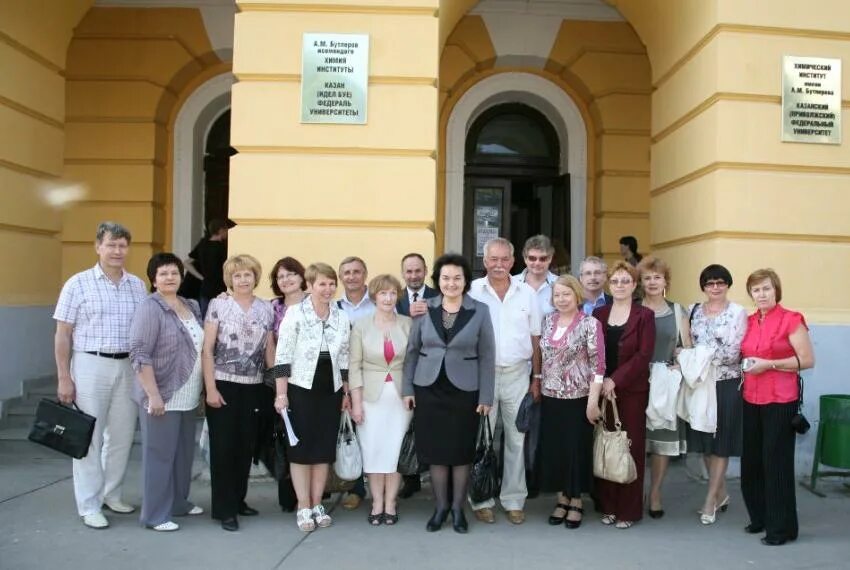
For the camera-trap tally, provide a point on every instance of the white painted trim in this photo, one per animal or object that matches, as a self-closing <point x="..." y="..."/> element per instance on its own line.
<point x="597" y="10"/>
<point x="191" y="128"/>
<point x="562" y="112"/>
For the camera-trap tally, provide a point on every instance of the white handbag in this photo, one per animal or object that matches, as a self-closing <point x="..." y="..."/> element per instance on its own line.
<point x="612" y="459"/>
<point x="349" y="460"/>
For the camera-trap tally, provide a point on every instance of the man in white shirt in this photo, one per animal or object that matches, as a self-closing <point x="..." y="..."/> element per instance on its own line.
<point x="537" y="254"/>
<point x="593" y="274"/>
<point x="516" y="320"/>
<point x="92" y="346"/>
<point x="355" y="299"/>
<point x="356" y="303"/>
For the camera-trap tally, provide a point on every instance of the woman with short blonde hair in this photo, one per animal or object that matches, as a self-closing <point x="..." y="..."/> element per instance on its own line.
<point x="238" y="346"/>
<point x="670" y="334"/>
<point x="378" y="344"/>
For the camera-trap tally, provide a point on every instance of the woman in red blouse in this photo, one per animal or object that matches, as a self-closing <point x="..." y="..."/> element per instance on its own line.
<point x="777" y="345"/>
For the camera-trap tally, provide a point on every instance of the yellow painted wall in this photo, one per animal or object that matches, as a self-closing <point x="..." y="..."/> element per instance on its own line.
<point x="725" y="189"/>
<point x="128" y="70"/>
<point x="323" y="192"/>
<point x="604" y="67"/>
<point x="34" y="38"/>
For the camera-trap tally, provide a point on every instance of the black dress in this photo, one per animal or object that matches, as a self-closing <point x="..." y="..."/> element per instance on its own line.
<point x="314" y="415"/>
<point x="446" y="422"/>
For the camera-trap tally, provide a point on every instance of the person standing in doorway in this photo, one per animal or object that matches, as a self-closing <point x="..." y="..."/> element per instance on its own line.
<point x="92" y="349"/>
<point x="411" y="303"/>
<point x="207" y="260"/>
<point x="516" y="325"/>
<point x="629" y="250"/>
<point x="593" y="274"/>
<point x="356" y="303"/>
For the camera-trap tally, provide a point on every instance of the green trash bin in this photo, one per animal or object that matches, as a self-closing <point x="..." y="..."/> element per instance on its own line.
<point x="833" y="442"/>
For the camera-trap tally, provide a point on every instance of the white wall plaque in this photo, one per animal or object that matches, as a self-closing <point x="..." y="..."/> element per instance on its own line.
<point x="334" y="78"/>
<point x="811" y="100"/>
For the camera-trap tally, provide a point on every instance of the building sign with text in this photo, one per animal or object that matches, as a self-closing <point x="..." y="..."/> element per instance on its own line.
<point x="811" y="100"/>
<point x="334" y="78"/>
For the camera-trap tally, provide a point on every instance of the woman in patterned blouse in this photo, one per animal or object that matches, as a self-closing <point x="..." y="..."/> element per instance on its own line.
<point x="573" y="367"/>
<point x="719" y="324"/>
<point x="238" y="345"/>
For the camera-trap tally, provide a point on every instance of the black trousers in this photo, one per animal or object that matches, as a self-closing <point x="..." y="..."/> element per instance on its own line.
<point x="767" y="468"/>
<point x="233" y="432"/>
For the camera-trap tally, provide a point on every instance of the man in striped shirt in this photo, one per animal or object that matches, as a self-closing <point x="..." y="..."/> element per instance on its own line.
<point x="92" y="348"/>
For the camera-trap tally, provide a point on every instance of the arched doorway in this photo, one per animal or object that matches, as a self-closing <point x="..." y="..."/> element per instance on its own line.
<point x="512" y="186"/>
<point x="560" y="111"/>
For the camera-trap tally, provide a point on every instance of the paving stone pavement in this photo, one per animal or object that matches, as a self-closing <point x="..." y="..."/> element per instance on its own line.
<point x="39" y="529"/>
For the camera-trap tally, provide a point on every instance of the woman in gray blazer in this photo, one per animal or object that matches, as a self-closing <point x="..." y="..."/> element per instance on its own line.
<point x="449" y="375"/>
<point x="165" y="345"/>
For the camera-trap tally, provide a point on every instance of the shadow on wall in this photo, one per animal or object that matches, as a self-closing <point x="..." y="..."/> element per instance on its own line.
<point x="26" y="335"/>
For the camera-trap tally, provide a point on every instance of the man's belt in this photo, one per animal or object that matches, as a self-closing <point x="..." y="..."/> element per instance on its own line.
<point x="112" y="355"/>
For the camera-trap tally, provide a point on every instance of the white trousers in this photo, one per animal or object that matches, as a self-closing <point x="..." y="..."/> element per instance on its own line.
<point x="511" y="386"/>
<point x="103" y="391"/>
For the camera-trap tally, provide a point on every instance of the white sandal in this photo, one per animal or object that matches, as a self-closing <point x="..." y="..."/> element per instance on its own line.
<point x="323" y="520"/>
<point x="608" y="519"/>
<point x="304" y="520"/>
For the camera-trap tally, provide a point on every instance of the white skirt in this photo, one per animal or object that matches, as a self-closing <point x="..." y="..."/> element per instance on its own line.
<point x="384" y="424"/>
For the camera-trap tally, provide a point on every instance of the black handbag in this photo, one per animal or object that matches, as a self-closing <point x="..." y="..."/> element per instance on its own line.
<point x="66" y="429"/>
<point x="484" y="475"/>
<point x="799" y="423"/>
<point x="272" y="452"/>
<point x="408" y="463"/>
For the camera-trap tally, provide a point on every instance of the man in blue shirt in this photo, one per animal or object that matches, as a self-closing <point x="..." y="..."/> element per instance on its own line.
<point x="593" y="274"/>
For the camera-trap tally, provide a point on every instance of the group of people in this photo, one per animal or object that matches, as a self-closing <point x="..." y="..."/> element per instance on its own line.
<point x="390" y="353"/>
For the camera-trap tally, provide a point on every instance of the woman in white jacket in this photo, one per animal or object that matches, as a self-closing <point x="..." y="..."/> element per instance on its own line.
<point x="311" y="372"/>
<point x="670" y="331"/>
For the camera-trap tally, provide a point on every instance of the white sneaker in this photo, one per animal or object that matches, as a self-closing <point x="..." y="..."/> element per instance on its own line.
<point x="167" y="526"/>
<point x="95" y="520"/>
<point x="119" y="507"/>
<point x="195" y="511"/>
<point x="323" y="520"/>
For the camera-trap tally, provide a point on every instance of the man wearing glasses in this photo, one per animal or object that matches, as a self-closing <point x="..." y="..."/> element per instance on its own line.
<point x="593" y="273"/>
<point x="537" y="254"/>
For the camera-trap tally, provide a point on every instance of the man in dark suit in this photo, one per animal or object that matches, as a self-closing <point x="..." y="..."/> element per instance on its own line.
<point x="411" y="303"/>
<point x="412" y="300"/>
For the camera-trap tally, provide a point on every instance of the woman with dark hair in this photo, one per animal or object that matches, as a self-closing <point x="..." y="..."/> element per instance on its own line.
<point x="288" y="285"/>
<point x="629" y="332"/>
<point x="165" y="347"/>
<point x="777" y="346"/>
<point x="449" y="377"/>
<point x="720" y="325"/>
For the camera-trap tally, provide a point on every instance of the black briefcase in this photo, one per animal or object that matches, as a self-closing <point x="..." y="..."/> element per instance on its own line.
<point x="67" y="430"/>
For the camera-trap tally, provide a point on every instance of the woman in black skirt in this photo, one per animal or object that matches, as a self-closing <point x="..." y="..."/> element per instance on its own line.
<point x="311" y="371"/>
<point x="573" y="367"/>
<point x="719" y="324"/>
<point x="449" y="377"/>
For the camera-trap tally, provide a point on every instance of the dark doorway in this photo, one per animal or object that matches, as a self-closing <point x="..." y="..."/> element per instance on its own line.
<point x="512" y="184"/>
<point x="217" y="153"/>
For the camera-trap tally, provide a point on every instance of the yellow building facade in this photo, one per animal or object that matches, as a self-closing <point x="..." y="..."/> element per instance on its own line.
<point x="663" y="121"/>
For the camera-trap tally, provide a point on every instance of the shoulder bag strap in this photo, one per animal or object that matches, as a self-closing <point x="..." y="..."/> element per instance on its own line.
<point x="677" y="314"/>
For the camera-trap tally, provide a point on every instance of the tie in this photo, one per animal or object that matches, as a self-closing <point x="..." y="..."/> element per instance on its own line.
<point x="415" y="296"/>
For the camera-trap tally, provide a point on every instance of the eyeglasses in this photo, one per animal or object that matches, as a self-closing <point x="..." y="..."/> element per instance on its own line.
<point x="711" y="284"/>
<point x="623" y="282"/>
<point x="535" y="258"/>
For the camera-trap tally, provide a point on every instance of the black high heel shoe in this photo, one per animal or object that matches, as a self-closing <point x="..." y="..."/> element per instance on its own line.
<point x="555" y="520"/>
<point x="436" y="521"/>
<point x="459" y="521"/>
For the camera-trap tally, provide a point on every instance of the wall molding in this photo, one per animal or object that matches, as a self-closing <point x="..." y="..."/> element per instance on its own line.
<point x="342" y="9"/>
<point x="722" y="234"/>
<point x="29" y="53"/>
